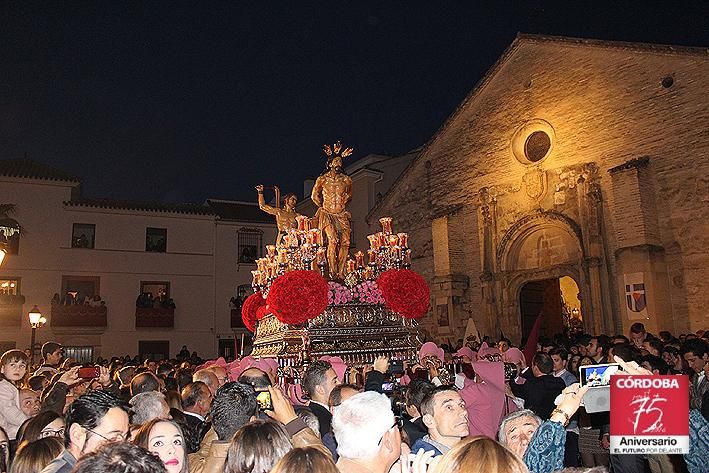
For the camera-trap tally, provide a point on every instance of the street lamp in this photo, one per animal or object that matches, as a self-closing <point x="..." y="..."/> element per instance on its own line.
<point x="36" y="321"/>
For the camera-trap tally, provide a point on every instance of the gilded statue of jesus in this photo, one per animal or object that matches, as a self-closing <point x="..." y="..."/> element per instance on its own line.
<point x="331" y="193"/>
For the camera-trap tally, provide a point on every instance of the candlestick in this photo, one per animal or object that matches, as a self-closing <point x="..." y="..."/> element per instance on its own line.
<point x="393" y="240"/>
<point x="386" y="224"/>
<point x="372" y="255"/>
<point x="360" y="259"/>
<point x="271" y="250"/>
<point x="403" y="240"/>
<point x="373" y="241"/>
<point x="350" y="265"/>
<point x="302" y="222"/>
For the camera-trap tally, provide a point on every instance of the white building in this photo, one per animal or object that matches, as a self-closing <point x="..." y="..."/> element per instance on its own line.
<point x="198" y="256"/>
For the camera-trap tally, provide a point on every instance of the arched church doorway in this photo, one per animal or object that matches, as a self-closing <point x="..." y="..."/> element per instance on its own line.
<point x="556" y="300"/>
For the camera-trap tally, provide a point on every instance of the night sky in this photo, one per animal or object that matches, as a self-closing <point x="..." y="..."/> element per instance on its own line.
<point x="177" y="102"/>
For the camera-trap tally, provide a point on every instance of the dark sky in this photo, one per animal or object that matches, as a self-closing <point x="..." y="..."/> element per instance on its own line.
<point x="177" y="101"/>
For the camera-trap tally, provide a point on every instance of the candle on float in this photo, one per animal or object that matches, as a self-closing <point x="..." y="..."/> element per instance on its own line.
<point x="360" y="259"/>
<point x="350" y="265"/>
<point x="321" y="256"/>
<point x="403" y="240"/>
<point x="293" y="240"/>
<point x="407" y="256"/>
<point x="301" y="219"/>
<point x="282" y="255"/>
<point x="372" y="254"/>
<point x="254" y="278"/>
<point x="373" y="241"/>
<point x="396" y="252"/>
<point x="393" y="240"/>
<point x="271" y="250"/>
<point x="381" y="240"/>
<point x="386" y="224"/>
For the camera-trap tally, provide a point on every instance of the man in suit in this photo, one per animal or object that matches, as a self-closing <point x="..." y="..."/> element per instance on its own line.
<point x="541" y="388"/>
<point x="695" y="352"/>
<point x="196" y="402"/>
<point x="318" y="382"/>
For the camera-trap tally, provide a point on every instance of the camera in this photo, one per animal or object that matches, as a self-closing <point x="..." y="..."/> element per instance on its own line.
<point x="89" y="372"/>
<point x="511" y="371"/>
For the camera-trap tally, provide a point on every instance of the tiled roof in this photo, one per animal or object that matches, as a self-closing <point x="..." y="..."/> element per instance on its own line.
<point x="239" y="211"/>
<point x="143" y="206"/>
<point x="27" y="168"/>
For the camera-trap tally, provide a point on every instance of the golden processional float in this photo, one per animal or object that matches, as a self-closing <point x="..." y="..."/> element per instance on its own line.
<point x="312" y="299"/>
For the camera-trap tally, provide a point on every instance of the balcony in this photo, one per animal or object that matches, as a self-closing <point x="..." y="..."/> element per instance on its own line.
<point x="154" y="317"/>
<point x="236" y="320"/>
<point x="78" y="316"/>
<point x="11" y="310"/>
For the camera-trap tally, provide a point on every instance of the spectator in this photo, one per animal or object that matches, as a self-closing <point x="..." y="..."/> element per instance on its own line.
<point x="559" y="357"/>
<point x="232" y="408"/>
<point x="305" y="460"/>
<point x="13" y="367"/>
<point x="52" y="354"/>
<point x="207" y="377"/>
<point x="37" y="382"/>
<point x="164" y="438"/>
<point x="93" y="419"/>
<point x="184" y="353"/>
<point x="674" y="359"/>
<point x="480" y="455"/>
<point x="446" y="418"/>
<point x="318" y="381"/>
<point x="121" y="457"/>
<point x="517" y="429"/>
<point x="29" y="402"/>
<point x="148" y="406"/>
<point x="183" y="377"/>
<point x="696" y="353"/>
<point x="415" y="394"/>
<point x="221" y="374"/>
<point x="143" y="383"/>
<point x="367" y="434"/>
<point x="257" y="447"/>
<point x="45" y="424"/>
<point x="123" y="377"/>
<point x="32" y="457"/>
<point x="151" y="365"/>
<point x="255" y="378"/>
<point x="541" y="388"/>
<point x="637" y="334"/>
<point x="196" y="404"/>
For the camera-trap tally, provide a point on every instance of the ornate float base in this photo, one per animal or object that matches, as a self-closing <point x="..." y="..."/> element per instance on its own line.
<point x="355" y="332"/>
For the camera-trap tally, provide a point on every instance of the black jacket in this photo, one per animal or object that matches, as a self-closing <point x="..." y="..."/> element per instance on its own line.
<point x="324" y="417"/>
<point x="539" y="393"/>
<point x="194" y="431"/>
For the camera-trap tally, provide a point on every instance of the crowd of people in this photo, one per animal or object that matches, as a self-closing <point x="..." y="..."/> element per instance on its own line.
<point x="488" y="407"/>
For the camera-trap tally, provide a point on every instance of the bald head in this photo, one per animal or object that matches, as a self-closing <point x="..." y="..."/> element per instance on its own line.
<point x="221" y="374"/>
<point x="143" y="383"/>
<point x="256" y="378"/>
<point x="207" y="377"/>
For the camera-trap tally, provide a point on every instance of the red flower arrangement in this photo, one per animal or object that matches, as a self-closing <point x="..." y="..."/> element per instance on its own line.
<point x="250" y="309"/>
<point x="297" y="296"/>
<point x="262" y="311"/>
<point x="405" y="292"/>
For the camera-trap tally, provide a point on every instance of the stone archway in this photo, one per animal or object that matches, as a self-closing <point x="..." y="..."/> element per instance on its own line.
<point x="540" y="246"/>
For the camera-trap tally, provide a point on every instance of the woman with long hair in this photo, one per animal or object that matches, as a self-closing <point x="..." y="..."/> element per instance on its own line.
<point x="480" y="455"/>
<point x="164" y="438"/>
<point x="32" y="457"/>
<point x="257" y="447"/>
<point x="305" y="460"/>
<point x="44" y="424"/>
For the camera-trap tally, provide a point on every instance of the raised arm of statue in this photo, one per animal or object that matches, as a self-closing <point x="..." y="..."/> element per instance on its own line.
<point x="262" y="202"/>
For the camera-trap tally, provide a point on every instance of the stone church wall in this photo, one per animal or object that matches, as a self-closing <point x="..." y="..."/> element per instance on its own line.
<point x="604" y="105"/>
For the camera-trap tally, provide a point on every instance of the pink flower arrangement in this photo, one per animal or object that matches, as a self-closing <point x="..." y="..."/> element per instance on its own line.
<point x="367" y="292"/>
<point x="338" y="294"/>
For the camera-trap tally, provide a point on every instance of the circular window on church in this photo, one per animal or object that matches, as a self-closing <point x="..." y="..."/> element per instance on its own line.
<point x="533" y="141"/>
<point x="537" y="146"/>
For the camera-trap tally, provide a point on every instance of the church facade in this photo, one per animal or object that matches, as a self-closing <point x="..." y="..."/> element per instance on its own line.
<point x="571" y="183"/>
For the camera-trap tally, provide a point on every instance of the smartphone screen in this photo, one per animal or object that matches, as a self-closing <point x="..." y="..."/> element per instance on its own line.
<point x="597" y="375"/>
<point x="89" y="372"/>
<point x="264" y="400"/>
<point x="388" y="387"/>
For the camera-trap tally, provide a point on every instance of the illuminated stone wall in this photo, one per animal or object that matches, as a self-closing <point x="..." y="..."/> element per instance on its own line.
<point x="620" y="188"/>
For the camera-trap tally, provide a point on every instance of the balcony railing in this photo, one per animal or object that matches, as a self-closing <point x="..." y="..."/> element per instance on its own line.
<point x="154" y="317"/>
<point x="79" y="316"/>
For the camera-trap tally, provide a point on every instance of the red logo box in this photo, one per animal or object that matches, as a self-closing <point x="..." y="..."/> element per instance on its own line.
<point x="649" y="414"/>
